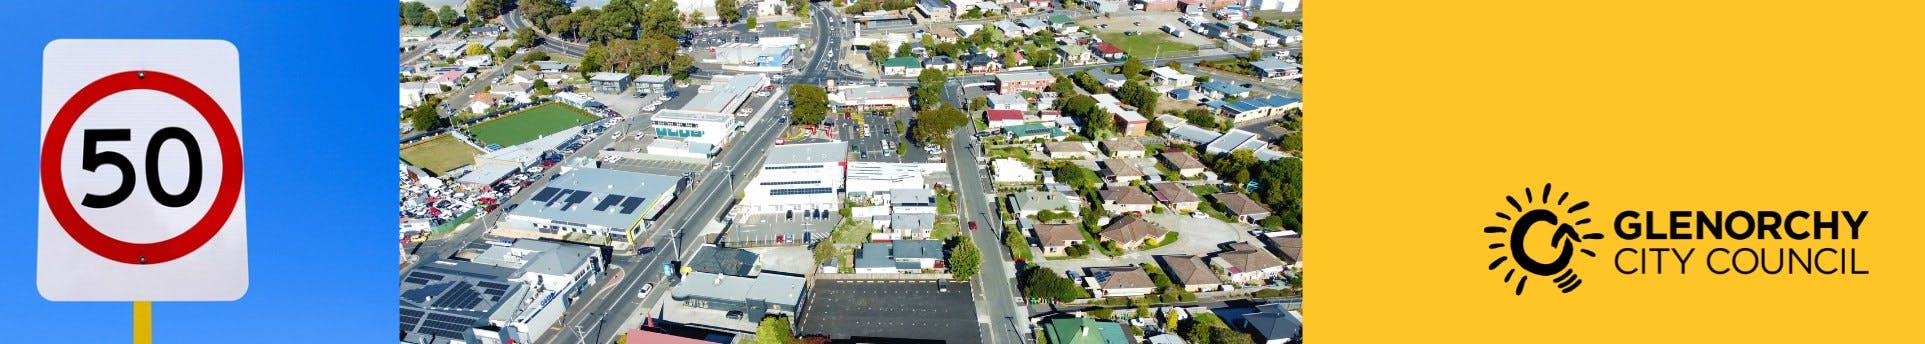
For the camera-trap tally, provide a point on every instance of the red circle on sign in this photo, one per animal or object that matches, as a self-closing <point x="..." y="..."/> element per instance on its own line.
<point x="54" y="188"/>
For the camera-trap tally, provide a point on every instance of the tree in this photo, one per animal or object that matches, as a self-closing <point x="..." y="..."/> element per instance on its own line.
<point x="878" y="52"/>
<point x="978" y="104"/>
<point x="729" y="10"/>
<point x="1142" y="312"/>
<point x="1131" y="69"/>
<point x="904" y="50"/>
<point x="1139" y="95"/>
<point x="824" y="250"/>
<point x="964" y="258"/>
<point x="1042" y="283"/>
<point x="1063" y="87"/>
<point x="504" y="51"/>
<point x="476" y="49"/>
<point x="595" y="59"/>
<point x="929" y="86"/>
<point x="1170" y="321"/>
<point x="448" y="16"/>
<point x="411" y="13"/>
<point x="1225" y="335"/>
<point x="540" y="88"/>
<point x="428" y="17"/>
<point x="1293" y="143"/>
<point x="526" y="37"/>
<point x="934" y="126"/>
<point x="751" y="22"/>
<point x="484" y="9"/>
<point x="811" y="103"/>
<point x="535" y="56"/>
<point x="425" y="116"/>
<point x="1235" y="167"/>
<point x="774" y="329"/>
<point x="1198" y="117"/>
<point x="660" y="17"/>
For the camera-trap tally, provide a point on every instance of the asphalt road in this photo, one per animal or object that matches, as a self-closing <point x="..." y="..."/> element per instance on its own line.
<point x="513" y="21"/>
<point x="996" y="280"/>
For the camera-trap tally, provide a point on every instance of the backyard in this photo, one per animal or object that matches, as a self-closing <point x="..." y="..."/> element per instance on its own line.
<point x="524" y="126"/>
<point x="440" y="154"/>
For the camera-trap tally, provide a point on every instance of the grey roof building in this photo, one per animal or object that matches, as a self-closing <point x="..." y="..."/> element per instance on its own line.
<point x="595" y="201"/>
<point x="755" y="296"/>
<point x="1193" y="134"/>
<point x="1274" y="323"/>
<point x="723" y="260"/>
<point x="458" y="296"/>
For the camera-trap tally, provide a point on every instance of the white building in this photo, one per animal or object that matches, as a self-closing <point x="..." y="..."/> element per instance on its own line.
<point x="1012" y="171"/>
<point x="867" y="178"/>
<point x="712" y="129"/>
<point x="801" y="176"/>
<point x="1273" y="5"/>
<point x="912" y="201"/>
<point x="594" y="201"/>
<point x="867" y="97"/>
<point x="728" y="94"/>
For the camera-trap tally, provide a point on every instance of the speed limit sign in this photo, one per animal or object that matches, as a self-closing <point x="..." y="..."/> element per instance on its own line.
<point x="141" y="195"/>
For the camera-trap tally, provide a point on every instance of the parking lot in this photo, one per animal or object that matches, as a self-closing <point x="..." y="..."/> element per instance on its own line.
<point x="781" y="229"/>
<point x="885" y="310"/>
<point x="882" y="139"/>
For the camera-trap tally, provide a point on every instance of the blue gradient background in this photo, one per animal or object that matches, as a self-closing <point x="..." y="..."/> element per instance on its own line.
<point x="320" y="123"/>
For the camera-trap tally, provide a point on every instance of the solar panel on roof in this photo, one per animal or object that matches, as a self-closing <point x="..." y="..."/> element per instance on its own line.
<point x="417" y="280"/>
<point x="609" y="201"/>
<point x="429" y="276"/>
<point x="629" y="205"/>
<point x="545" y="194"/>
<point x="411" y="312"/>
<point x="577" y="196"/>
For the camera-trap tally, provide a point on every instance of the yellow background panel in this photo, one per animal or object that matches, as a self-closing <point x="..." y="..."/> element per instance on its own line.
<point x="1428" y="113"/>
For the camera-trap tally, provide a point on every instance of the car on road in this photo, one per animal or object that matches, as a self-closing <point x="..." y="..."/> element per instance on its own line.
<point x="972" y="225"/>
<point x="645" y="288"/>
<point x="1197" y="215"/>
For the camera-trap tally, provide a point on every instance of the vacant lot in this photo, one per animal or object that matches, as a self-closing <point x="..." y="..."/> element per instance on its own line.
<point x="884" y="310"/>
<point x="1145" y="46"/>
<point x="516" y="128"/>
<point x="439" y="154"/>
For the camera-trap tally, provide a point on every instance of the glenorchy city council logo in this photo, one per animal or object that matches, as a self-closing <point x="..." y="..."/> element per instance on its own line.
<point x="1540" y="212"/>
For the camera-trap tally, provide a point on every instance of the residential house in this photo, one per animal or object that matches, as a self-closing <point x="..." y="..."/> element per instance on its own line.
<point x="1248" y="109"/>
<point x="1123" y="148"/>
<point x="1130" y="232"/>
<point x="482" y="101"/>
<point x="1047" y="115"/>
<point x="1118" y="281"/>
<point x="1032" y="26"/>
<point x="1034" y="131"/>
<point x="1242" y="207"/>
<point x="1221" y="90"/>
<point x="1009" y="28"/>
<point x="1108" y="51"/>
<point x="1126" y="199"/>
<point x="981" y="63"/>
<point x="1183" y="163"/>
<point x="1120" y="171"/>
<point x="1108" y="80"/>
<point x="1028" y="203"/>
<point x="911" y="225"/>
<point x="1083" y="331"/>
<point x="1062" y="23"/>
<point x="1003" y="117"/>
<point x="1056" y="238"/>
<point x="1170" y="77"/>
<point x="1012" y="83"/>
<point x="1008" y="170"/>
<point x="1273" y="68"/>
<point x="1191" y="272"/>
<point x="1068" y="150"/>
<point x="1009" y="102"/>
<point x="1074" y="54"/>
<point x="940" y="62"/>
<point x="551" y="66"/>
<point x="450" y="79"/>
<point x="1245" y="263"/>
<point x="1289" y="249"/>
<point x="1192" y="134"/>
<point x="912" y="201"/>
<point x="912" y="256"/>
<point x="1175" y="196"/>
<point x="905" y="66"/>
<point x="1128" y="121"/>
<point x="1273" y="324"/>
<point x="1233" y="140"/>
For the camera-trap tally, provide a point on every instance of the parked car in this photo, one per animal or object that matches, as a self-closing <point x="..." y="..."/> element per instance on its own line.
<point x="644" y="292"/>
<point x="972" y="225"/>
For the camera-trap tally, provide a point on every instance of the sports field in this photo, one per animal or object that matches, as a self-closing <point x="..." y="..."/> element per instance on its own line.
<point x="524" y="126"/>
<point x="440" y="154"/>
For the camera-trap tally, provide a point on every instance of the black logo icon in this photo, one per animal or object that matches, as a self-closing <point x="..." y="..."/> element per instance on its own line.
<point x="1537" y="210"/>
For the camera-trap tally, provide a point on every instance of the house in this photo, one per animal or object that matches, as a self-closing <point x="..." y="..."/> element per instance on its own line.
<point x="1118" y="281"/>
<point x="911" y="225"/>
<point x="1128" y="122"/>
<point x="1108" y="80"/>
<point x="1008" y="170"/>
<point x="905" y="66"/>
<point x="1245" y="263"/>
<point x="1009" y="28"/>
<point x="912" y="256"/>
<point x="550" y="66"/>
<point x="1175" y="196"/>
<point x="1083" y="331"/>
<point x="1033" y="131"/>
<point x="450" y="79"/>
<point x="1274" y="324"/>
<point x="1191" y="272"/>
<point x="1233" y="140"/>
<point x="476" y="61"/>
<point x="1056" y="238"/>
<point x="1193" y="135"/>
<point x="1242" y="207"/>
<point x="1125" y="199"/>
<point x="1183" y="163"/>
<point x="1289" y="249"/>
<point x="606" y="82"/>
<point x="981" y="63"/>
<point x="1131" y="232"/>
<point x="1123" y="148"/>
<point x="936" y="9"/>
<point x="1003" y="118"/>
<point x="1170" y="77"/>
<point x="1273" y="68"/>
<point x="1062" y="23"/>
<point x="1028" y="203"/>
<point x="912" y="201"/>
<point x="1249" y="109"/>
<point x="940" y="62"/>
<point x="1221" y="90"/>
<point x="1108" y="51"/>
<point x="1009" y="102"/>
<point x="1155" y="5"/>
<point x="1012" y="83"/>
<point x="1068" y="150"/>
<point x="1120" y="171"/>
<point x="482" y="101"/>
<point x="419" y="33"/>
<point x="1074" y="54"/>
<point x="1032" y="26"/>
<point x="1184" y="94"/>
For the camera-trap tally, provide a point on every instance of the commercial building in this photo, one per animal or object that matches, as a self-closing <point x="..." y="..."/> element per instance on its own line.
<point x="728" y="93"/>
<point x="606" y="82"/>
<point x="912" y="256"/>
<point x="594" y="201"/>
<point x="508" y="292"/>
<point x="730" y="279"/>
<point x="802" y="176"/>
<point x="868" y="178"/>
<point x="652" y="83"/>
<point x="1011" y="83"/>
<point x="712" y="129"/>
<point x="871" y="97"/>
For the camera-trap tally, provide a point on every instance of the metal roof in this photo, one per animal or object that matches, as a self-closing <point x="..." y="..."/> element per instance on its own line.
<point x="599" y="197"/>
<point x="808" y="153"/>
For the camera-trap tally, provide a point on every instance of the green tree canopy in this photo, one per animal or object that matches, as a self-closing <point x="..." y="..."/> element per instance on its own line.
<point x="964" y="258"/>
<point x="811" y="103"/>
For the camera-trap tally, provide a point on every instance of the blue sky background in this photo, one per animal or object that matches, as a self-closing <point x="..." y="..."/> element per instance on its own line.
<point x="316" y="77"/>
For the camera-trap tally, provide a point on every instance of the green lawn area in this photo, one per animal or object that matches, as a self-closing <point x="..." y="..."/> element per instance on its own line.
<point x="1209" y="205"/>
<point x="1144" y="46"/>
<point x="524" y="126"/>
<point x="785" y="25"/>
<point x="439" y="154"/>
<point x="945" y="227"/>
<point x="945" y="202"/>
<point x="853" y="232"/>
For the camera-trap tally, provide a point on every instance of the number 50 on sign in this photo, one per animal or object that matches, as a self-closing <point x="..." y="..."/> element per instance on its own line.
<point x="140" y="172"/>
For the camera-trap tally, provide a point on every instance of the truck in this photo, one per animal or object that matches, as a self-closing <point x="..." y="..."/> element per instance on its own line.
<point x="1173" y="30"/>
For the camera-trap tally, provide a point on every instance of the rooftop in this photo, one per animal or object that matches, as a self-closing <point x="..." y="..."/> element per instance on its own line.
<point x="1239" y="204"/>
<point x="1123" y="145"/>
<point x="1120" y="168"/>
<point x="723" y="260"/>
<point x="608" y="77"/>
<point x="1121" y="277"/>
<point x="1084" y="331"/>
<point x="599" y="197"/>
<point x="1042" y="200"/>
<point x="1190" y="270"/>
<point x="1173" y="193"/>
<point x="808" y="153"/>
<point x="1131" y="228"/>
<point x="1246" y="257"/>
<point x="1024" y="76"/>
<point x="1058" y="234"/>
<point x="1181" y="160"/>
<point x="1126" y="195"/>
<point x="1003" y="115"/>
